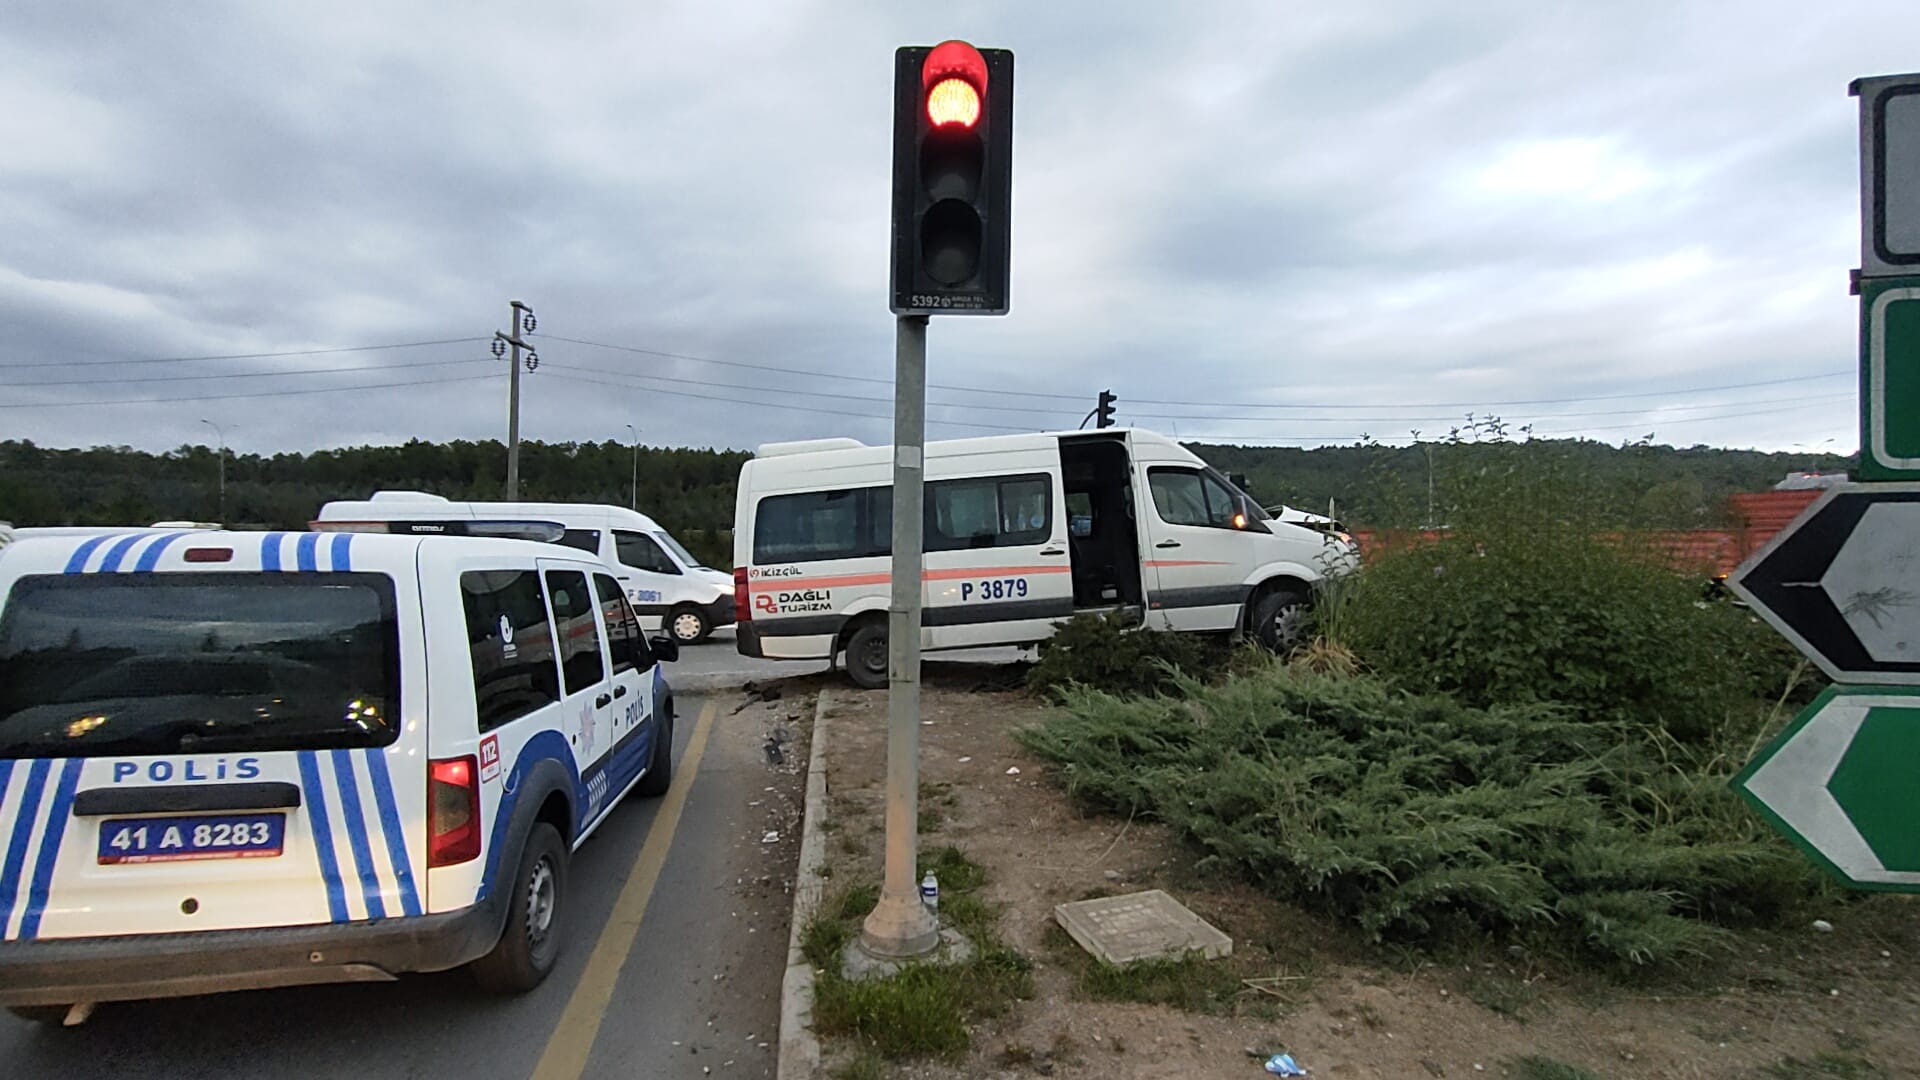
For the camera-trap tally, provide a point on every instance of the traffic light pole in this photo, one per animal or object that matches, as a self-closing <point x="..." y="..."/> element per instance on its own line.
<point x="900" y="925"/>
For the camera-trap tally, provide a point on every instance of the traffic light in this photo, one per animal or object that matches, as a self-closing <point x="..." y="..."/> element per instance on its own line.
<point x="952" y="179"/>
<point x="1103" y="412"/>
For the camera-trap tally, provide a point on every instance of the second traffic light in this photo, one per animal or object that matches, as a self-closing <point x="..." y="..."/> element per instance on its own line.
<point x="1103" y="412"/>
<point x="952" y="179"/>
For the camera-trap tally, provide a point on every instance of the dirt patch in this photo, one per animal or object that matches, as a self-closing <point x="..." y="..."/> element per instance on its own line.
<point x="1845" y="1003"/>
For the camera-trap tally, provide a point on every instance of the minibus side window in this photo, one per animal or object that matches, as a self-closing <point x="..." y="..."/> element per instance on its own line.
<point x="510" y="645"/>
<point x="639" y="551"/>
<point x="1189" y="497"/>
<point x="818" y="525"/>
<point x="989" y="511"/>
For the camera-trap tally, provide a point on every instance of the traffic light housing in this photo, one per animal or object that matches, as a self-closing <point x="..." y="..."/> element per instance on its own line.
<point x="952" y="179"/>
<point x="1103" y="412"/>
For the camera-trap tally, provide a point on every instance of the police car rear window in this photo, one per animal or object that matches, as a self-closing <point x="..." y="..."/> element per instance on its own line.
<point x="113" y="665"/>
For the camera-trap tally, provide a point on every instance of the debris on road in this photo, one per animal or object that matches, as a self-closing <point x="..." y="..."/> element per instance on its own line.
<point x="1284" y="1065"/>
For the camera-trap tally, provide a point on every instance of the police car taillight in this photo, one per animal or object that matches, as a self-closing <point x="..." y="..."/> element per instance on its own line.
<point x="742" y="604"/>
<point x="209" y="555"/>
<point x="453" y="811"/>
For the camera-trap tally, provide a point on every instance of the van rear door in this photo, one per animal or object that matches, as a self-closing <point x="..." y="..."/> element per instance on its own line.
<point x="207" y="735"/>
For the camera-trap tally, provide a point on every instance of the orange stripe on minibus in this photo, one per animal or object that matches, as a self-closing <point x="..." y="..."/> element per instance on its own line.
<point x="785" y="584"/>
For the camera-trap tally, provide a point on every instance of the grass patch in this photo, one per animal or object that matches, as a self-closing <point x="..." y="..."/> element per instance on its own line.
<point x="956" y="872"/>
<point x="1192" y="984"/>
<point x="924" y="1010"/>
<point x="868" y="1066"/>
<point x="1540" y="1067"/>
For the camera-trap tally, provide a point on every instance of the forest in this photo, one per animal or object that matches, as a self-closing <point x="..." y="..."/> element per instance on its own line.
<point x="690" y="491"/>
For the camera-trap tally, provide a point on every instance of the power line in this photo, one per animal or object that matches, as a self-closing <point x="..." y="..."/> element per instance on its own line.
<point x="231" y="397"/>
<point x="241" y="356"/>
<point x="777" y="405"/>
<point x="784" y="390"/>
<point x="244" y="374"/>
<point x="1155" y="416"/>
<point x="1656" y="424"/>
<point x="1212" y="404"/>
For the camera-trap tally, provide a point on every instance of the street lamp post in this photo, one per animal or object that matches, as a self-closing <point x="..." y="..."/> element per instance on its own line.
<point x="1426" y="448"/>
<point x="633" y="496"/>
<point x="222" y="434"/>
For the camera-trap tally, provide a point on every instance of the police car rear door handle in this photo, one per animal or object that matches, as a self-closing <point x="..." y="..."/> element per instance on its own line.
<point x="603" y="701"/>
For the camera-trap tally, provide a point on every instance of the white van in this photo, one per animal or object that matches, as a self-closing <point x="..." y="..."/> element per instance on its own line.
<point x="1022" y="531"/>
<point x="238" y="760"/>
<point x="666" y="585"/>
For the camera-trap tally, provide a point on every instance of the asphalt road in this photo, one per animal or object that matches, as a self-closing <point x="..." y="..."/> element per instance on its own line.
<point x="687" y="880"/>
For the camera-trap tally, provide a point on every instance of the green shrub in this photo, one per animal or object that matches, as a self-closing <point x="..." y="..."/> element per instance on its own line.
<point x="1423" y="820"/>
<point x="1536" y="594"/>
<point x="1104" y="652"/>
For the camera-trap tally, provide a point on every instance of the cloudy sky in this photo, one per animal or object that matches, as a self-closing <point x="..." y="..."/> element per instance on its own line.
<point x="1266" y="222"/>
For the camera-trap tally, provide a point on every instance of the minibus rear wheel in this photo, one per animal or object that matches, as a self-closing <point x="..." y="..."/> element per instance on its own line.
<point x="867" y="655"/>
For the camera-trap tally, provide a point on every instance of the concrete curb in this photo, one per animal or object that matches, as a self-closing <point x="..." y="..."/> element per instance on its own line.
<point x="799" y="1049"/>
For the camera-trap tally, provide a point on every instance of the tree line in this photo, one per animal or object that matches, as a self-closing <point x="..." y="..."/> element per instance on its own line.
<point x="691" y="491"/>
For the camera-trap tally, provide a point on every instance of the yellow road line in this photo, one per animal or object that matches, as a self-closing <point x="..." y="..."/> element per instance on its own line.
<point x="565" y="1057"/>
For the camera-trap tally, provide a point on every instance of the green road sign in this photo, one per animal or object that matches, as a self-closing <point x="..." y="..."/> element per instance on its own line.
<point x="1890" y="378"/>
<point x="1843" y="783"/>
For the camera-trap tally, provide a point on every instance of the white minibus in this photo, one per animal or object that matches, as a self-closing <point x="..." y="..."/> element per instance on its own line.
<point x="1022" y="532"/>
<point x="666" y="585"/>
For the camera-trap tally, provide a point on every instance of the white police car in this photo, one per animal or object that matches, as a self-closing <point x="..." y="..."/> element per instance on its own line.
<point x="233" y="760"/>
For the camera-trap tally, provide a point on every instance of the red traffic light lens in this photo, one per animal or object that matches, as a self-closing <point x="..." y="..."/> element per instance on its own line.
<point x="953" y="101"/>
<point x="954" y="76"/>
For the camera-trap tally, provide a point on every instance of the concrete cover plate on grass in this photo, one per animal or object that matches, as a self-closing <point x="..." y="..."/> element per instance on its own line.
<point x="1140" y="926"/>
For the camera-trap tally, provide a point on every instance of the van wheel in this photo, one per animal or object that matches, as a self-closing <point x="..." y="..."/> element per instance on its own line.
<point x="659" y="775"/>
<point x="688" y="625"/>
<point x="530" y="943"/>
<point x="50" y="1015"/>
<point x="1280" y="619"/>
<point x="867" y="655"/>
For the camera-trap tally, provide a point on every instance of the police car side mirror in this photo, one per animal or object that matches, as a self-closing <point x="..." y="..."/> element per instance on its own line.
<point x="665" y="649"/>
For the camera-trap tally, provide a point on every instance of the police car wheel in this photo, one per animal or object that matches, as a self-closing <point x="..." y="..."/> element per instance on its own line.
<point x="659" y="775"/>
<point x="688" y="624"/>
<point x="53" y="1015"/>
<point x="867" y="655"/>
<point x="530" y="943"/>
